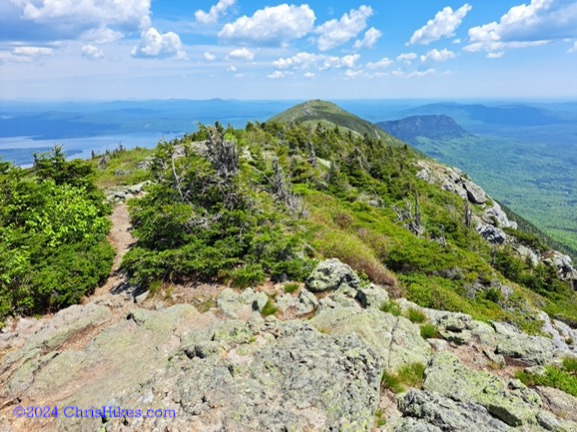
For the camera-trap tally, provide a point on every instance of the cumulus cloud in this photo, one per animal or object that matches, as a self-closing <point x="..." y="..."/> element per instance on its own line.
<point x="336" y="32"/>
<point x="101" y="35"/>
<point x="421" y="74"/>
<point x="381" y="64"/>
<point x="67" y="19"/>
<point x="154" y="44"/>
<point x="208" y="56"/>
<point x="231" y="69"/>
<point x="372" y="35"/>
<point x="309" y="75"/>
<point x="31" y="51"/>
<point x="304" y="61"/>
<point x="214" y="13"/>
<point x="92" y="52"/>
<point x="277" y="75"/>
<point x="277" y="24"/>
<point x="573" y="49"/>
<point x="241" y="54"/>
<point x="442" y="26"/>
<point x="438" y="56"/>
<point x="406" y="57"/>
<point x="526" y="25"/>
<point x="495" y="55"/>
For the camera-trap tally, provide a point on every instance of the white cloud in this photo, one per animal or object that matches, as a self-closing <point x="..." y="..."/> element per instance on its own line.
<point x="309" y="75"/>
<point x="495" y="55"/>
<point x="351" y="73"/>
<point x="372" y="35"/>
<point x="31" y="51"/>
<point x="277" y="75"/>
<point x="573" y="49"/>
<point x="154" y="44"/>
<point x="304" y="61"/>
<point x="68" y="19"/>
<point x="442" y="26"/>
<point x="101" y="35"/>
<point x="231" y="69"/>
<point x="277" y="24"/>
<point x="337" y="32"/>
<point x="421" y="74"/>
<point x="208" y="56"/>
<point x="241" y="54"/>
<point x="214" y="13"/>
<point x="438" y="56"/>
<point x="92" y="52"/>
<point x="406" y="57"/>
<point x="381" y="64"/>
<point x="526" y="25"/>
<point x="457" y="41"/>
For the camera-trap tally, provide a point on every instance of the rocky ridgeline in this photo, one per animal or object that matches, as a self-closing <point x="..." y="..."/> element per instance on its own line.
<point x="315" y="366"/>
<point x="491" y="222"/>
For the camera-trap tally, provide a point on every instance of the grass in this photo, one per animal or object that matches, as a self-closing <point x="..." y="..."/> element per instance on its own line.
<point x="411" y="375"/>
<point x="291" y="287"/>
<point x="416" y="316"/>
<point x="563" y="378"/>
<point x="429" y="331"/>
<point x="392" y="308"/>
<point x="269" y="308"/>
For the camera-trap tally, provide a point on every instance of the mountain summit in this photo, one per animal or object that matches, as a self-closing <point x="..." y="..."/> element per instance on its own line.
<point x="427" y="126"/>
<point x="329" y="115"/>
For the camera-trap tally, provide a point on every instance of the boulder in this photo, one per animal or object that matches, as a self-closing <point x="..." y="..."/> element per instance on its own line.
<point x="474" y="193"/>
<point x="304" y="303"/>
<point x="559" y="402"/>
<point x="396" y="340"/>
<point x="241" y="305"/>
<point x="332" y="274"/>
<point x="372" y="296"/>
<point x="509" y="401"/>
<point x="497" y="217"/>
<point x="446" y="414"/>
<point x="533" y="350"/>
<point x="491" y="234"/>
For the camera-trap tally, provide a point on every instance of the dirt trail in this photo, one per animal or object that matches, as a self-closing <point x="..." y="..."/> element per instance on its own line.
<point x="121" y="239"/>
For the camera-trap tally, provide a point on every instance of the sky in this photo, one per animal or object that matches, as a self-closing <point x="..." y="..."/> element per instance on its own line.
<point x="241" y="49"/>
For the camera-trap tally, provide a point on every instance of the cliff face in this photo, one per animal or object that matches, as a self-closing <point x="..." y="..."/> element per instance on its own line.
<point x="428" y="126"/>
<point x="317" y="365"/>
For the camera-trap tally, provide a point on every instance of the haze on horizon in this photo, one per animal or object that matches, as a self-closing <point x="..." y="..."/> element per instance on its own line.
<point x="104" y="50"/>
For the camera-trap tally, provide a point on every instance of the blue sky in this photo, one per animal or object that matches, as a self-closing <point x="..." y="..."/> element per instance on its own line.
<point x="143" y="49"/>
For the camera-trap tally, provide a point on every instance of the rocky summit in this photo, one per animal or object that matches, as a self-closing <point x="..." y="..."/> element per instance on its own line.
<point x="309" y="273"/>
<point x="322" y="364"/>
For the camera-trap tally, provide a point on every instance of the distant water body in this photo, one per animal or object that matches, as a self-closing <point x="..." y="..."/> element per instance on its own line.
<point x="21" y="150"/>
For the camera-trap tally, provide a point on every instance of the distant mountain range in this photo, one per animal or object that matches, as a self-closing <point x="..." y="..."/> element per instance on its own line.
<point x="428" y="126"/>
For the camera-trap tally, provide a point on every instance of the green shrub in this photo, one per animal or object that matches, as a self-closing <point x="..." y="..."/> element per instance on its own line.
<point x="248" y="275"/>
<point x="416" y="316"/>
